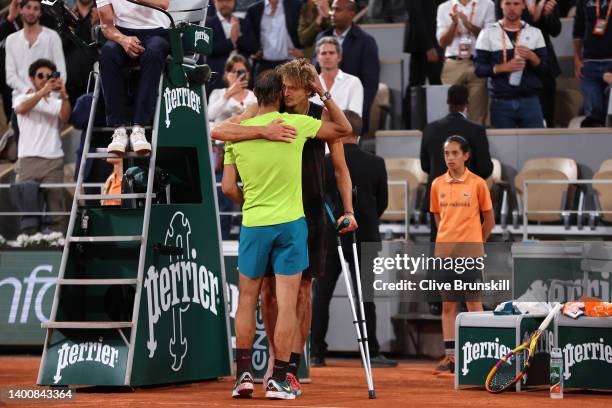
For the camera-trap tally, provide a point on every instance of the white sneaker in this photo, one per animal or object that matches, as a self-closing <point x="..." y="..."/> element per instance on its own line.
<point x="139" y="141"/>
<point x="119" y="142"/>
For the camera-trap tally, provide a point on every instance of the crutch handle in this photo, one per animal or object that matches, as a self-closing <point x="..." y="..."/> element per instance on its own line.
<point x="345" y="222"/>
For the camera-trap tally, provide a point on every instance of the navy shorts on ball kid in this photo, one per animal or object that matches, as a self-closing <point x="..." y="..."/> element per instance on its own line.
<point x="283" y="246"/>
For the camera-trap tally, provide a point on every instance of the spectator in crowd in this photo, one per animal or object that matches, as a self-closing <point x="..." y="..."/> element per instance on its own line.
<point x="593" y="53"/>
<point x="544" y="16"/>
<point x="39" y="115"/>
<point x="134" y="34"/>
<point x="236" y="97"/>
<point x="359" y="52"/>
<point x="10" y="23"/>
<point x="314" y="18"/>
<point x="369" y="177"/>
<point x="29" y="44"/>
<point x="230" y="34"/>
<point x="455" y="123"/>
<point x="513" y="55"/>
<point x="421" y="43"/>
<point x="345" y="88"/>
<point x="275" y="24"/>
<point x="459" y="23"/>
<point x="79" y="60"/>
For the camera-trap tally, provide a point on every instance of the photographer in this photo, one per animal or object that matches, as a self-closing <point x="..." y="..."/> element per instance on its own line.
<point x="233" y="100"/>
<point x="39" y="151"/>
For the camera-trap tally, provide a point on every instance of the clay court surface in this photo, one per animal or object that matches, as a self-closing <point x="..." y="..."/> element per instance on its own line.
<point x="341" y="384"/>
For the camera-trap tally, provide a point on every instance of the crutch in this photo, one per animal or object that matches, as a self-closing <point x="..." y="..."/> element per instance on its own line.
<point x="361" y="340"/>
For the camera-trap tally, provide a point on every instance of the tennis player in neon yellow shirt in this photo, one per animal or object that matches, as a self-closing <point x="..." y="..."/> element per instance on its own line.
<point x="274" y="230"/>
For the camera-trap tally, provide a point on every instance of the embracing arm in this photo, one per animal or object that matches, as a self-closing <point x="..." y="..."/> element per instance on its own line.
<point x="231" y="130"/>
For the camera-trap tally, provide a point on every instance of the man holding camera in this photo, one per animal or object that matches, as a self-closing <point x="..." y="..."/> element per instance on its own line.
<point x="39" y="151"/>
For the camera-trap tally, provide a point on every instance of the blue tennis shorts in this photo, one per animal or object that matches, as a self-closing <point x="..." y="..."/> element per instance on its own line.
<point x="283" y="246"/>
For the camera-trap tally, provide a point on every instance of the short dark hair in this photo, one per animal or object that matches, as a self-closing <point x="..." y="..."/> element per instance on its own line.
<point x="458" y="95"/>
<point x="40" y="63"/>
<point x="268" y="87"/>
<point x="463" y="143"/>
<point x="23" y="3"/>
<point x="355" y="121"/>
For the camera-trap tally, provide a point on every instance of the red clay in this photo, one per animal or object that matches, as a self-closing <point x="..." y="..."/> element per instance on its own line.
<point x="341" y="384"/>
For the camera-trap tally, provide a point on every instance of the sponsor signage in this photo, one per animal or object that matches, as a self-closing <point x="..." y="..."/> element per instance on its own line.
<point x="587" y="355"/>
<point x="479" y="348"/>
<point x="84" y="354"/>
<point x="27" y="285"/>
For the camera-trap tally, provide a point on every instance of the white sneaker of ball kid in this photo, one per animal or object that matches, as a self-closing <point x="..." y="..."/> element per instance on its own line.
<point x="119" y="142"/>
<point x="139" y="141"/>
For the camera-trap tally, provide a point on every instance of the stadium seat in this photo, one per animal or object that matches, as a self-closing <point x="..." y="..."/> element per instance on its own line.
<point x="546" y="197"/>
<point x="603" y="192"/>
<point x="568" y="102"/>
<point x="404" y="199"/>
<point x="380" y="116"/>
<point x="499" y="193"/>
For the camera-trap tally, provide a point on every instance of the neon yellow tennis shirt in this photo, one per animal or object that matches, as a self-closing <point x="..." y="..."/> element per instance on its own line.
<point x="271" y="172"/>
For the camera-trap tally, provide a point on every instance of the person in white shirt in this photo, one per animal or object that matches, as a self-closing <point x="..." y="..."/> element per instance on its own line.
<point x="29" y="44"/>
<point x="346" y="89"/>
<point x="138" y="33"/>
<point x="458" y="24"/>
<point x="236" y="97"/>
<point x="39" y="115"/>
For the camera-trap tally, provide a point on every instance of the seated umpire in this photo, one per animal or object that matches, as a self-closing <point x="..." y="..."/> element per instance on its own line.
<point x="134" y="33"/>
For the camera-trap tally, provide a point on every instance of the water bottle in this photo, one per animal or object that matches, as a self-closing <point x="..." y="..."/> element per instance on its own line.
<point x="516" y="76"/>
<point x="556" y="374"/>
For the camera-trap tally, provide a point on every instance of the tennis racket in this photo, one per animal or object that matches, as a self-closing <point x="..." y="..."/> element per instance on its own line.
<point x="503" y="374"/>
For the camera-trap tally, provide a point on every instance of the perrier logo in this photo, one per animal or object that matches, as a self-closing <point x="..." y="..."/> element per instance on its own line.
<point x="180" y="97"/>
<point x="177" y="287"/>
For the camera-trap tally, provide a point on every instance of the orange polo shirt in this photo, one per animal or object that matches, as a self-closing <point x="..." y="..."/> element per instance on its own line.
<point x="459" y="203"/>
<point x="112" y="187"/>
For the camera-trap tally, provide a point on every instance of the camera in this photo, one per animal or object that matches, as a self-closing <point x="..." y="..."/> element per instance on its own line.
<point x="55" y="75"/>
<point x="241" y="73"/>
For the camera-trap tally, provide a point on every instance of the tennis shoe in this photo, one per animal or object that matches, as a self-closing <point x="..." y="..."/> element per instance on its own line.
<point x="446" y="366"/>
<point x="279" y="390"/>
<point x="139" y="141"/>
<point x="119" y="142"/>
<point x="295" y="384"/>
<point x="243" y="387"/>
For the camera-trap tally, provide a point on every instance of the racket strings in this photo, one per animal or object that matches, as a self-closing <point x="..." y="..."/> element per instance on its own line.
<point x="505" y="373"/>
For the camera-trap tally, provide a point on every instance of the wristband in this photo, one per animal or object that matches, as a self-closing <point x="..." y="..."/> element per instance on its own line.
<point x="349" y="213"/>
